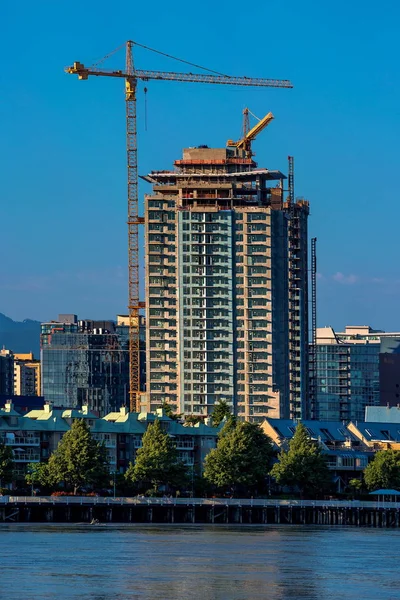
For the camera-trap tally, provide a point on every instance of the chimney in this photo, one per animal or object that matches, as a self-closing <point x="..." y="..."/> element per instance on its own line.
<point x="9" y="406"/>
<point x="48" y="407"/>
<point x="123" y="410"/>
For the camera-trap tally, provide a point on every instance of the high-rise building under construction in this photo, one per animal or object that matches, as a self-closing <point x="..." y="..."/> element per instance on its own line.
<point x="226" y="288"/>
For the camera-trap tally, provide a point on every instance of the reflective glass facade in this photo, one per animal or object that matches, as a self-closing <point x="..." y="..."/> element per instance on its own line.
<point x="347" y="380"/>
<point x="85" y="365"/>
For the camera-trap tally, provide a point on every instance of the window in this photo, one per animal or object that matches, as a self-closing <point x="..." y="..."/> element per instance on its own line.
<point x="328" y="435"/>
<point x="386" y="434"/>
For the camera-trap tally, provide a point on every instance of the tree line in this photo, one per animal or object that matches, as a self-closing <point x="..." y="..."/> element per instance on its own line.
<point x="243" y="463"/>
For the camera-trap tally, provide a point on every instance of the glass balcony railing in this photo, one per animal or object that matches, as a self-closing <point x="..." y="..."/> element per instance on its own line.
<point x="107" y="442"/>
<point x="184" y="445"/>
<point x="20" y="457"/>
<point x="20" y="441"/>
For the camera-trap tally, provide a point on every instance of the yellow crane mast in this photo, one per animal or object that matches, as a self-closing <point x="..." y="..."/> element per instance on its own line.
<point x="132" y="76"/>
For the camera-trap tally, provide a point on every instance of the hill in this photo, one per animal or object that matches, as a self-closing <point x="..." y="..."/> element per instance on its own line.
<point x="20" y="336"/>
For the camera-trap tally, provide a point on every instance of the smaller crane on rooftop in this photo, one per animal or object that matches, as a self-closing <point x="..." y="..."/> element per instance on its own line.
<point x="250" y="134"/>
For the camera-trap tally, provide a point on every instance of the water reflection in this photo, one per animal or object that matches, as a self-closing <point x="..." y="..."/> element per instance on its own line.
<point x="206" y="563"/>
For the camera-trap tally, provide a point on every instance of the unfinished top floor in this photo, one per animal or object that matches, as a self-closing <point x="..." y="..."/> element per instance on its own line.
<point x="218" y="177"/>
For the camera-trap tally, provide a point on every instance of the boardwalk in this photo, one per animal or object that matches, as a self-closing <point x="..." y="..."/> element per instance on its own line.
<point x="73" y="509"/>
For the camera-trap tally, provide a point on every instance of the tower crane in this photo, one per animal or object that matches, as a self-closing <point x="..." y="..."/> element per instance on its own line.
<point x="250" y="135"/>
<point x="131" y="75"/>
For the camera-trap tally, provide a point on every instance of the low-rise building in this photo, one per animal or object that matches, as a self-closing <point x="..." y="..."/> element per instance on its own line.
<point x="34" y="436"/>
<point x="377" y="436"/>
<point x="347" y="455"/>
<point x="26" y="437"/>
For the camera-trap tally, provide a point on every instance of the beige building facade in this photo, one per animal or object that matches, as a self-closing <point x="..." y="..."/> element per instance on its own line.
<point x="219" y="296"/>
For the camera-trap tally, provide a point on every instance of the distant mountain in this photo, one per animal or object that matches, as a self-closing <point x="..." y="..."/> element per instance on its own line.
<point x="20" y="336"/>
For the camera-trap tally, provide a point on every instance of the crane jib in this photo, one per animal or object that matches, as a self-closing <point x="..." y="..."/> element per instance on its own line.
<point x="221" y="79"/>
<point x="84" y="72"/>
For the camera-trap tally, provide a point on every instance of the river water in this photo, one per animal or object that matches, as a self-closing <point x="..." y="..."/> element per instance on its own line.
<point x="192" y="562"/>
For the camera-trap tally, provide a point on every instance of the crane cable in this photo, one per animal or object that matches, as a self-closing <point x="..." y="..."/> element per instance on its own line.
<point x="253" y="115"/>
<point x="145" y="108"/>
<point x="101" y="60"/>
<point x="180" y="59"/>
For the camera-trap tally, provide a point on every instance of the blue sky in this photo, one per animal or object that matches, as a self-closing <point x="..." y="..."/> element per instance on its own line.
<point x="62" y="148"/>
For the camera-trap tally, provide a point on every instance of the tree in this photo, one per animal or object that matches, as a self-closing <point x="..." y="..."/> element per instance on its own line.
<point x="157" y="462"/>
<point x="79" y="459"/>
<point x="167" y="408"/>
<point x="192" y="420"/>
<point x="37" y="473"/>
<point x="383" y="471"/>
<point x="6" y="464"/>
<point x="302" y="465"/>
<point x="242" y="457"/>
<point x="355" y="487"/>
<point x="221" y="410"/>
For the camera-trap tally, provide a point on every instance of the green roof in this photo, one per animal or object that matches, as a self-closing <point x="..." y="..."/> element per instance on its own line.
<point x="122" y="422"/>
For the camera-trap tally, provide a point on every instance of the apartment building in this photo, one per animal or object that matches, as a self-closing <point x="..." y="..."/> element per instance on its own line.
<point x="354" y="367"/>
<point x="226" y="288"/>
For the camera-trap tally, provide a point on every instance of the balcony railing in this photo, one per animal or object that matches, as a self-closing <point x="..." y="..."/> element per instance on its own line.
<point x="109" y="443"/>
<point x="184" y="445"/>
<point x="21" y="441"/>
<point x="26" y="458"/>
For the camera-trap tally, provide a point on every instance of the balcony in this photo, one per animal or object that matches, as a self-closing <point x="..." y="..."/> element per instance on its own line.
<point x="112" y="459"/>
<point x="108" y="443"/>
<point x="21" y="441"/>
<point x="21" y="457"/>
<point x="187" y="460"/>
<point x="19" y="473"/>
<point x="184" y="445"/>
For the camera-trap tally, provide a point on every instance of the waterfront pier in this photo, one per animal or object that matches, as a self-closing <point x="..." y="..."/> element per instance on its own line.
<point x="77" y="509"/>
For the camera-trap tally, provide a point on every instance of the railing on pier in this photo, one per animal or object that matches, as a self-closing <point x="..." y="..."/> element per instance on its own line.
<point x="165" y="501"/>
